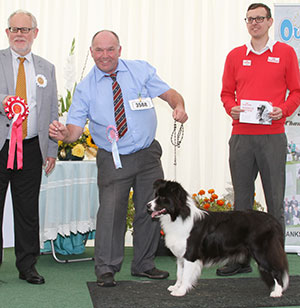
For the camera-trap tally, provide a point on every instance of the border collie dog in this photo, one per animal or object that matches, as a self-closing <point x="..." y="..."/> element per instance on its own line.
<point x="200" y="238"/>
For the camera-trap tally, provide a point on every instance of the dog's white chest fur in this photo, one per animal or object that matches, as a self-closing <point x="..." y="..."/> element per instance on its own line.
<point x="178" y="231"/>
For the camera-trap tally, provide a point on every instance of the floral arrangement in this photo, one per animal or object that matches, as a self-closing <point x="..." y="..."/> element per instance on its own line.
<point x="78" y="149"/>
<point x="85" y="145"/>
<point x="69" y="74"/>
<point x="130" y="212"/>
<point x="213" y="203"/>
<point x="209" y="202"/>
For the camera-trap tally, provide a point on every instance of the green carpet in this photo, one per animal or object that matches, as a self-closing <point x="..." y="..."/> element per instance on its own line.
<point x="66" y="284"/>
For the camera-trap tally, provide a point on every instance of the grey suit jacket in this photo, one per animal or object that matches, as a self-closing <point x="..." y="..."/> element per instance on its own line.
<point x="46" y="99"/>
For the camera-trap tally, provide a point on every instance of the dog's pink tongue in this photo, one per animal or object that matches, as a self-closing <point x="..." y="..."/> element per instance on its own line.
<point x="154" y="214"/>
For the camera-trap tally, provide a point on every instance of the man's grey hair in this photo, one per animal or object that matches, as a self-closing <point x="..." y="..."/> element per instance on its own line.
<point x="33" y="19"/>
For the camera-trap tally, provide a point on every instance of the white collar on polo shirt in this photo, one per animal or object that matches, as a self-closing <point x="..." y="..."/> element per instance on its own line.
<point x="270" y="44"/>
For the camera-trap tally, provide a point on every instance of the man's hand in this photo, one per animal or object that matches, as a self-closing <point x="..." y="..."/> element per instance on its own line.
<point x="176" y="102"/>
<point x="235" y="112"/>
<point x="276" y="114"/>
<point x="58" y="131"/>
<point x="49" y="165"/>
<point x="67" y="134"/>
<point x="6" y="99"/>
<point x="180" y="115"/>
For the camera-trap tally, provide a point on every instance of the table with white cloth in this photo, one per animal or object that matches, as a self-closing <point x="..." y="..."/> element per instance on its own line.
<point x="68" y="204"/>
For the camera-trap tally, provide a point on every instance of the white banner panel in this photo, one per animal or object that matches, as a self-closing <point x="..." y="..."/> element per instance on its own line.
<point x="287" y="30"/>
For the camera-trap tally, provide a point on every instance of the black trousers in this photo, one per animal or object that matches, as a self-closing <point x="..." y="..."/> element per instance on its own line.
<point x="25" y="187"/>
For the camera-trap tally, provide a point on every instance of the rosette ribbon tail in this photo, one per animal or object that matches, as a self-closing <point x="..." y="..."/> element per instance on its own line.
<point x="115" y="154"/>
<point x="113" y="137"/>
<point x="16" y="140"/>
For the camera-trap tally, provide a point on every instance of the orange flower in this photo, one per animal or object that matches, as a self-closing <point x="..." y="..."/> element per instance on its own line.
<point x="206" y="200"/>
<point x="201" y="192"/>
<point x="229" y="205"/>
<point x="211" y="191"/>
<point x="194" y="195"/>
<point x="206" y="206"/>
<point x="214" y="196"/>
<point x="220" y="202"/>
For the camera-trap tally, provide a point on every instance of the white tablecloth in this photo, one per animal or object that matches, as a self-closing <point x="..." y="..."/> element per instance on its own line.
<point x="68" y="200"/>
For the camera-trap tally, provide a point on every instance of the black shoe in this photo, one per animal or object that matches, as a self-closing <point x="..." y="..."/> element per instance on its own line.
<point x="106" y="280"/>
<point x="32" y="276"/>
<point x="154" y="273"/>
<point x="233" y="269"/>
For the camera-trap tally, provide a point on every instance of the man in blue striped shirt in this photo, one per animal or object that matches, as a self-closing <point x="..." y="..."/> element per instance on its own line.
<point x="139" y="162"/>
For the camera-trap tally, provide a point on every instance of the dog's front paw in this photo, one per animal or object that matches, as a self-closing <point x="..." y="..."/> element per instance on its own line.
<point x="179" y="292"/>
<point x="276" y="293"/>
<point x="173" y="288"/>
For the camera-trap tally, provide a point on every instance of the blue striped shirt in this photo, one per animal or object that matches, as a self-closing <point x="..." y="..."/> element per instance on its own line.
<point x="93" y="99"/>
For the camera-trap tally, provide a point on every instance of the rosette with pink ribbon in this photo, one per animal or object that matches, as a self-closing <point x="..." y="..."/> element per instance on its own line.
<point x="113" y="136"/>
<point x="17" y="110"/>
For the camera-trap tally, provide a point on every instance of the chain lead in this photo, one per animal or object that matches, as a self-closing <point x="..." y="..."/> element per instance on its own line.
<point x="176" y="139"/>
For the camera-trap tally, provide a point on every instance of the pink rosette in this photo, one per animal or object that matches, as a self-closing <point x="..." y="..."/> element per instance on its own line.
<point x="112" y="133"/>
<point x="17" y="110"/>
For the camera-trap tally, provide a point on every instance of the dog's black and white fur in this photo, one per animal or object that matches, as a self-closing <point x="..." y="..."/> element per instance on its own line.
<point x="201" y="238"/>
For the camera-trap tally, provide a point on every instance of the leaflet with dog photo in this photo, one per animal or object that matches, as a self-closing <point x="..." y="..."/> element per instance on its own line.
<point x="256" y="112"/>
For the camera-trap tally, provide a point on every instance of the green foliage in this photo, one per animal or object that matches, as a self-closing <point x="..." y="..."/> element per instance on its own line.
<point x="66" y="102"/>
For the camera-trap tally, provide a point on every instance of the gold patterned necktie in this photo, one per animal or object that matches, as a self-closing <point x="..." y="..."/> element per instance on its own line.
<point x="21" y="90"/>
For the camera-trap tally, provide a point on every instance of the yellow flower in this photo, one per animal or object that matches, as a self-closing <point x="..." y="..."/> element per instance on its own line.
<point x="78" y="150"/>
<point x="90" y="142"/>
<point x="86" y="131"/>
<point x="60" y="143"/>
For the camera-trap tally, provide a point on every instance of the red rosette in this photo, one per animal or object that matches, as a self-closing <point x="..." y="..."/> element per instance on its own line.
<point x="17" y="110"/>
<point x="16" y="105"/>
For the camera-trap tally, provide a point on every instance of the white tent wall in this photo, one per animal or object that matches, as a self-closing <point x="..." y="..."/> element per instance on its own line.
<point x="186" y="40"/>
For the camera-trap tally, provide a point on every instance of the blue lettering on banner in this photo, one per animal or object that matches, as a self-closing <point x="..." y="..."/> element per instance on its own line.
<point x="287" y="31"/>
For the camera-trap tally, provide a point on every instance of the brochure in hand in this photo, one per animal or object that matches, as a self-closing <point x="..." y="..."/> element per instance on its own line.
<point x="256" y="112"/>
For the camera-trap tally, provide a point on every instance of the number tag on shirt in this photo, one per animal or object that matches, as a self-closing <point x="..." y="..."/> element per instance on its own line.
<point x="141" y="103"/>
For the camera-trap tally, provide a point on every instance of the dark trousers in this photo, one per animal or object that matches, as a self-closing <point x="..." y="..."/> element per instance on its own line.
<point x="266" y="154"/>
<point x="139" y="171"/>
<point x="25" y="187"/>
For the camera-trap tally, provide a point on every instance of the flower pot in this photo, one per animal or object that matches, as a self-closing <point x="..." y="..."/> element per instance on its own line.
<point x="76" y="157"/>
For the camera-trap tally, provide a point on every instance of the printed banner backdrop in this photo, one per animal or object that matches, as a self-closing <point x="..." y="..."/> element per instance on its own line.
<point x="287" y="30"/>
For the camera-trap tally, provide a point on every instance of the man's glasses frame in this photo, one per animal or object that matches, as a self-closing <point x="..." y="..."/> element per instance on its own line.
<point x="22" y="29"/>
<point x="258" y="19"/>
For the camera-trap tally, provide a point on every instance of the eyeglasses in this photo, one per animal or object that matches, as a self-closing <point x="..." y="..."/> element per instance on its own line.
<point x="22" y="29"/>
<point x="258" y="19"/>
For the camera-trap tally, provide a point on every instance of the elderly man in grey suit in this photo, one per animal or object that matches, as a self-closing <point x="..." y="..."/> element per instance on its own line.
<point x="38" y="149"/>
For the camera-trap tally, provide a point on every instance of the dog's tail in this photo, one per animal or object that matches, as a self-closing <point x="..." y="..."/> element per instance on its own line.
<point x="273" y="267"/>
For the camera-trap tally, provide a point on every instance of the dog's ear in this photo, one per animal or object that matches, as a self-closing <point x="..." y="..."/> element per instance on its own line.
<point x="175" y="186"/>
<point x="158" y="183"/>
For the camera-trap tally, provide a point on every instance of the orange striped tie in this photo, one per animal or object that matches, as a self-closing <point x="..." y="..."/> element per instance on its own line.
<point x="21" y="90"/>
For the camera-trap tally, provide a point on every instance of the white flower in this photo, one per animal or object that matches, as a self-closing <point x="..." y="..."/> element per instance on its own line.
<point x="70" y="72"/>
<point x="41" y="81"/>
